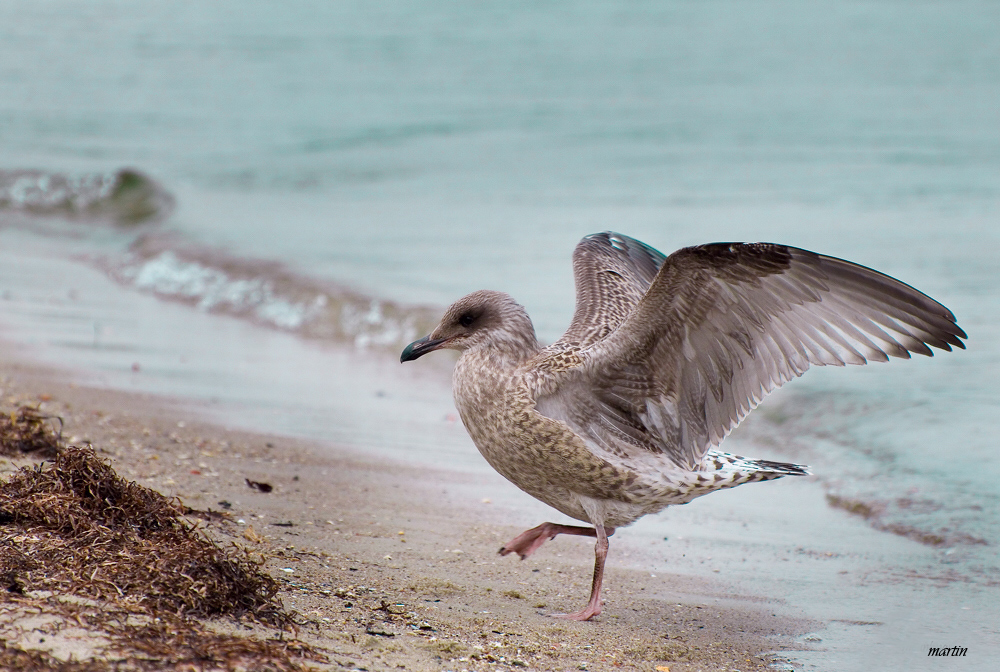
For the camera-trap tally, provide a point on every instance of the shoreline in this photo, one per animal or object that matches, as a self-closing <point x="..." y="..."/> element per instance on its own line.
<point x="366" y="537"/>
<point x="857" y="594"/>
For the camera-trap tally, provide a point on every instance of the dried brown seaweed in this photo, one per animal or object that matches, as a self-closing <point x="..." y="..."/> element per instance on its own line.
<point x="73" y="527"/>
<point x="28" y="431"/>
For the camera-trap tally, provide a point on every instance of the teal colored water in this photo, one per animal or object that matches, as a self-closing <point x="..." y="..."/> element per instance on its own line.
<point x="389" y="157"/>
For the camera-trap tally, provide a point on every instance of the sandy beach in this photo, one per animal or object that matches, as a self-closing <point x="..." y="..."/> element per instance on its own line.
<point x="386" y="566"/>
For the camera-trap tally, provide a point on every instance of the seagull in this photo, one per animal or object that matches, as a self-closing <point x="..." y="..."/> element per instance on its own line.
<point x="623" y="415"/>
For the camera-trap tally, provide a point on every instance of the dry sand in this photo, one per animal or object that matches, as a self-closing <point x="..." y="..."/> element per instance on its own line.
<point x="389" y="566"/>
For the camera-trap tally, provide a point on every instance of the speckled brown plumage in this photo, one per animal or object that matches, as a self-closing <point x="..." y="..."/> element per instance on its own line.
<point x="663" y="358"/>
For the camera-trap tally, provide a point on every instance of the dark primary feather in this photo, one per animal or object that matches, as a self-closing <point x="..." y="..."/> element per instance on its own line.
<point x="715" y="330"/>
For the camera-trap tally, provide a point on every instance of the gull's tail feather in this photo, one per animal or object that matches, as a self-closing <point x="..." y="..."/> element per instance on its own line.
<point x="762" y="469"/>
<point x="783" y="468"/>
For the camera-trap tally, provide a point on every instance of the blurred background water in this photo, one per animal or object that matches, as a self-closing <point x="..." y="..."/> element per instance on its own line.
<point x="259" y="203"/>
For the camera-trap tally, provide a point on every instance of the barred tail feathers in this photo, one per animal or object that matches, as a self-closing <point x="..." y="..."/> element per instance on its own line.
<point x="720" y="471"/>
<point x="755" y="469"/>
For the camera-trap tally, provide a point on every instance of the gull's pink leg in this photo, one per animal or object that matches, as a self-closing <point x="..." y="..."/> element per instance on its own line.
<point x="593" y="607"/>
<point x="529" y="541"/>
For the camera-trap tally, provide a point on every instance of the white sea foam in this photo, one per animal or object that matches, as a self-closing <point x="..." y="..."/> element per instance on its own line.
<point x="341" y="315"/>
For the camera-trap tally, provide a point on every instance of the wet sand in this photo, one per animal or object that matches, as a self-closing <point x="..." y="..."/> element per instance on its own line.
<point x="391" y="566"/>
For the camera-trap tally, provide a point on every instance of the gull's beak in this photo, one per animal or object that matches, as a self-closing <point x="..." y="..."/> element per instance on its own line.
<point x="421" y="347"/>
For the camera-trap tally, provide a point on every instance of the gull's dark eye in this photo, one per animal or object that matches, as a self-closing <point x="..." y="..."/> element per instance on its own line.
<point x="467" y="319"/>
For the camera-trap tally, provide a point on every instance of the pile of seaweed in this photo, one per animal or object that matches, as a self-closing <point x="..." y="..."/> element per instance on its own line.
<point x="27" y="431"/>
<point x="79" y="542"/>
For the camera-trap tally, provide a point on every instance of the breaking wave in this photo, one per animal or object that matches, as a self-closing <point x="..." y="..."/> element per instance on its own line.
<point x="268" y="294"/>
<point x="123" y="197"/>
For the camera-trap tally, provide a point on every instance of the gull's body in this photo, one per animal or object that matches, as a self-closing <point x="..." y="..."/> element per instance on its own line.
<point x="664" y="357"/>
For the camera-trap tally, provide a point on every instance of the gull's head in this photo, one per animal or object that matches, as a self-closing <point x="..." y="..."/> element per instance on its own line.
<point x="482" y="320"/>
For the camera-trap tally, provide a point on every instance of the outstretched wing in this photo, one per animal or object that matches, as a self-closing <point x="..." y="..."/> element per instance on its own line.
<point x="723" y="325"/>
<point x="612" y="273"/>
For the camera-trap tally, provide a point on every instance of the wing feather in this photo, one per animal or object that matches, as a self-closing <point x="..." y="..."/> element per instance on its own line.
<point x="612" y="273"/>
<point x="684" y="352"/>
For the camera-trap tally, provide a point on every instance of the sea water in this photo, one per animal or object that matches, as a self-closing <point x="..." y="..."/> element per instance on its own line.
<point x="256" y="205"/>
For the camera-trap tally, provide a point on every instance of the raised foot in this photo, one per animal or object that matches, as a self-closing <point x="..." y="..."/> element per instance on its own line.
<point x="531" y="540"/>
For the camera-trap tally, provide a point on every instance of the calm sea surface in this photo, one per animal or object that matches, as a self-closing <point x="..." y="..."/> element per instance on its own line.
<point x="325" y="176"/>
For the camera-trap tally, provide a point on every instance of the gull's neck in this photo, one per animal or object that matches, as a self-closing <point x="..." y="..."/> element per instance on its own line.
<point x="506" y="348"/>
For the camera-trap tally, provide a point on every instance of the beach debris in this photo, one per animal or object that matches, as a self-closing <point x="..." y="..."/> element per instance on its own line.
<point x="397" y="609"/>
<point x="258" y="485"/>
<point x="251" y="535"/>
<point x="378" y="630"/>
<point x="76" y="515"/>
<point x="82" y="543"/>
<point x="166" y="644"/>
<point x="27" y="430"/>
<point x="206" y="514"/>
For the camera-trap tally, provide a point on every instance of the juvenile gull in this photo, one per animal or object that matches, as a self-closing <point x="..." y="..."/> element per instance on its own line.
<point x="621" y="417"/>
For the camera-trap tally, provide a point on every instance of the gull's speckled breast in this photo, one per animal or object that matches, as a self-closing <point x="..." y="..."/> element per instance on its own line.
<point x="541" y="456"/>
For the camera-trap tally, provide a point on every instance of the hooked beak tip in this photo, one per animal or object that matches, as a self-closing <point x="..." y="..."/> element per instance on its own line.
<point x="420" y="347"/>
